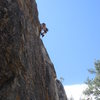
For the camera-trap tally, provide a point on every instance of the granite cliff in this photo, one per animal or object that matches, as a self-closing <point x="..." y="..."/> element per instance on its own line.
<point x="26" y="71"/>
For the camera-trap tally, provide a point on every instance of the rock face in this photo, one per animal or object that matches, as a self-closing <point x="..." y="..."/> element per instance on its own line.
<point x="61" y="91"/>
<point x="26" y="71"/>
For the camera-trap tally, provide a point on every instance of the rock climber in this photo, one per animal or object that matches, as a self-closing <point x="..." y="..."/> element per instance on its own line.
<point x="44" y="30"/>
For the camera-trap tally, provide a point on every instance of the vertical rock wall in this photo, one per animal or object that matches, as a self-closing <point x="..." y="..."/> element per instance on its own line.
<point x="26" y="71"/>
<point x="61" y="92"/>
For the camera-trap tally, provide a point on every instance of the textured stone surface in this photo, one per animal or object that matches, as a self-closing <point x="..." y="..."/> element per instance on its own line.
<point x="26" y="71"/>
<point x="61" y="92"/>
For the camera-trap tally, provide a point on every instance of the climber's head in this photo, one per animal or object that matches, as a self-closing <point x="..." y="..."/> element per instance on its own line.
<point x="43" y="25"/>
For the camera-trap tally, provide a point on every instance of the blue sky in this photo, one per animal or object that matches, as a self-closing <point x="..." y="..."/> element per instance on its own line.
<point x="73" y="40"/>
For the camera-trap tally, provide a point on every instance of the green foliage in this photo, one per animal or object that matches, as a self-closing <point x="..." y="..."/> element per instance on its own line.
<point x="94" y="84"/>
